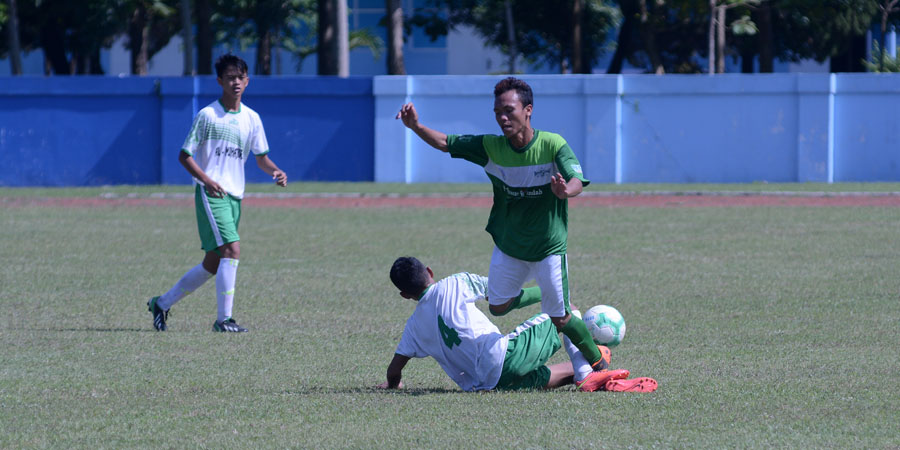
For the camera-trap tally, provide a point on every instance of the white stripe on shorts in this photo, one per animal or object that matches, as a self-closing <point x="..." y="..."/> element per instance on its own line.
<point x="211" y="218"/>
<point x="532" y="322"/>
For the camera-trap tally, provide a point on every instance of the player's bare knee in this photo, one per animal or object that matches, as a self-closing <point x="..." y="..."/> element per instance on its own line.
<point x="501" y="309"/>
<point x="560" y="322"/>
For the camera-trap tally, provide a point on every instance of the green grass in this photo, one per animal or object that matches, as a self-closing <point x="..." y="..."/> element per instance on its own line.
<point x="765" y="327"/>
<point x="457" y="188"/>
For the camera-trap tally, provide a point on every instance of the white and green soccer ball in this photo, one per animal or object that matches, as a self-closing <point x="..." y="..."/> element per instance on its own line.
<point x="606" y="325"/>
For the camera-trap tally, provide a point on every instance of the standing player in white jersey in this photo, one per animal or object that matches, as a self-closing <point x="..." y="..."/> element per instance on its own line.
<point x="220" y="142"/>
<point x="533" y="173"/>
<point x="447" y="326"/>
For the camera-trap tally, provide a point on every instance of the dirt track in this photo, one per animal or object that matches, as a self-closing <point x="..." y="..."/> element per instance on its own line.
<point x="610" y="200"/>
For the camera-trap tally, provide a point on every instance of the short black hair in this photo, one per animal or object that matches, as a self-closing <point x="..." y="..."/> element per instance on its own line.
<point x="514" y="84"/>
<point x="228" y="60"/>
<point x="409" y="275"/>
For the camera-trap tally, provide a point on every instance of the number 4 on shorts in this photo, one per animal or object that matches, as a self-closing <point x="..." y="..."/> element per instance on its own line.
<point x="449" y="335"/>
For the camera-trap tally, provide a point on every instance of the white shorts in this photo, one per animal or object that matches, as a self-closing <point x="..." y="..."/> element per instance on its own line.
<point x="508" y="274"/>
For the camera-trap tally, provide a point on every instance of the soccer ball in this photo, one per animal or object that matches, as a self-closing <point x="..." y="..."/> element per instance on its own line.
<point x="606" y="325"/>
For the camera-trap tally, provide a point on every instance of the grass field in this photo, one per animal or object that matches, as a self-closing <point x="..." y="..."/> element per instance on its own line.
<point x="766" y="326"/>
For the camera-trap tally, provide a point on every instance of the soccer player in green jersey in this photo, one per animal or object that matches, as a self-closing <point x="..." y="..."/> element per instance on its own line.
<point x="447" y="326"/>
<point x="533" y="173"/>
<point x="220" y="141"/>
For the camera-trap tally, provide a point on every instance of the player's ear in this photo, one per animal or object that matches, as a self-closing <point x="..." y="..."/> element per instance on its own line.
<point x="430" y="273"/>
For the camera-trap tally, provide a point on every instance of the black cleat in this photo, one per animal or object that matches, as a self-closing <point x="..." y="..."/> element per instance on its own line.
<point x="159" y="316"/>
<point x="228" y="326"/>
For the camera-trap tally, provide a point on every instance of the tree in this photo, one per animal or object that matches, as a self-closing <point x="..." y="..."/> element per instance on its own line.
<point x="187" y="37"/>
<point x="205" y="36"/>
<point x="887" y="7"/>
<point x="265" y="24"/>
<point x="661" y="35"/>
<point x="882" y="63"/>
<point x="394" y="14"/>
<point x="717" y="23"/>
<point x="150" y="26"/>
<point x="542" y="30"/>
<point x="333" y="38"/>
<point x="12" y="33"/>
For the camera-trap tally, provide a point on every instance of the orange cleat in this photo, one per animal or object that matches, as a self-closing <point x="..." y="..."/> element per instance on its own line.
<point x="600" y="378"/>
<point x="642" y="384"/>
<point x="603" y="364"/>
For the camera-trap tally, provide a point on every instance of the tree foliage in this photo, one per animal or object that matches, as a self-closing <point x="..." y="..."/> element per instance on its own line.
<point x="541" y="28"/>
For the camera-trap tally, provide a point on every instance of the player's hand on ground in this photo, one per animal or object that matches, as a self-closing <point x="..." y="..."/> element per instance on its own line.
<point x="280" y="178"/>
<point x="559" y="186"/>
<point x="213" y="189"/>
<point x="386" y="386"/>
<point x="408" y="115"/>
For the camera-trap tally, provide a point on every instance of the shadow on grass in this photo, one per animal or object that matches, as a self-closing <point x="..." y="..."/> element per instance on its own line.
<point x="412" y="392"/>
<point x="100" y="329"/>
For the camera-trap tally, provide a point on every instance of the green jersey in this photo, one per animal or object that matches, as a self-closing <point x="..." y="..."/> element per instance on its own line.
<point x="527" y="220"/>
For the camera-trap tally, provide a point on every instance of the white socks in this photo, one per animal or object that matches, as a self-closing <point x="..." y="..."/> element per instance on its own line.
<point x="188" y="283"/>
<point x="225" y="287"/>
<point x="580" y="365"/>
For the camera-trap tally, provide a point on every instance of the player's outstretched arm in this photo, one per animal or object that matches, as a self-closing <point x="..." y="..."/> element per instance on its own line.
<point x="410" y="118"/>
<point x="395" y="372"/>
<point x="268" y="166"/>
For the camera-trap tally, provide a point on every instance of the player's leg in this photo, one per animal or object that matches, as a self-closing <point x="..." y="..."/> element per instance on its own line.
<point x="222" y="245"/>
<point x="552" y="277"/>
<point x="560" y="375"/>
<point x="580" y="366"/>
<point x="195" y="276"/>
<point x="529" y="347"/>
<point x="505" y="293"/>
<point x="226" y="275"/>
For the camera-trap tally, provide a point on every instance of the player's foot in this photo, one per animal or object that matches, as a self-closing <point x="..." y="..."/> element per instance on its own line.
<point x="603" y="363"/>
<point x="228" y="326"/>
<point x="642" y="384"/>
<point x="598" y="378"/>
<point x="159" y="316"/>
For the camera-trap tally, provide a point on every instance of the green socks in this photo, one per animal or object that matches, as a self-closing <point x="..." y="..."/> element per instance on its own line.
<point x="578" y="333"/>
<point x="528" y="296"/>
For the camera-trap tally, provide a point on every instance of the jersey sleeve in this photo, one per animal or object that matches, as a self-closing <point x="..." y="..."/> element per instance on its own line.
<point x="258" y="143"/>
<point x="196" y="135"/>
<point x="477" y="285"/>
<point x="568" y="164"/>
<point x="408" y="345"/>
<point x="468" y="147"/>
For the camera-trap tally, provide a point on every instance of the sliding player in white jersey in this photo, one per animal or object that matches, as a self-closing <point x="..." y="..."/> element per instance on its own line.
<point x="447" y="326"/>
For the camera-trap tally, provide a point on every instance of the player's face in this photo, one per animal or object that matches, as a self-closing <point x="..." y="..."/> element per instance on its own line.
<point x="512" y="117"/>
<point x="233" y="82"/>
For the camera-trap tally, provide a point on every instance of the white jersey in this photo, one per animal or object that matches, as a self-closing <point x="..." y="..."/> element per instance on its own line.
<point x="221" y="141"/>
<point x="447" y="326"/>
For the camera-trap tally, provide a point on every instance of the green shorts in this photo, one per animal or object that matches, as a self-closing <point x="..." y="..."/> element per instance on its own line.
<point x="530" y="346"/>
<point x="217" y="219"/>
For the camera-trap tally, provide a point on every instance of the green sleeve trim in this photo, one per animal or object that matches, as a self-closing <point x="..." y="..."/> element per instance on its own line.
<point x="187" y="151"/>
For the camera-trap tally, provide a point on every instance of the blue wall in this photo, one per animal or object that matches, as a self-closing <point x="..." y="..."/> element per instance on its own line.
<point x="664" y="129"/>
<point x="84" y="131"/>
<point x="78" y="131"/>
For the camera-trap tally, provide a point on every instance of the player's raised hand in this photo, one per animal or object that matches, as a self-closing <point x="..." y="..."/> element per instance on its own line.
<point x="559" y="186"/>
<point x="280" y="178"/>
<point x="408" y="115"/>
